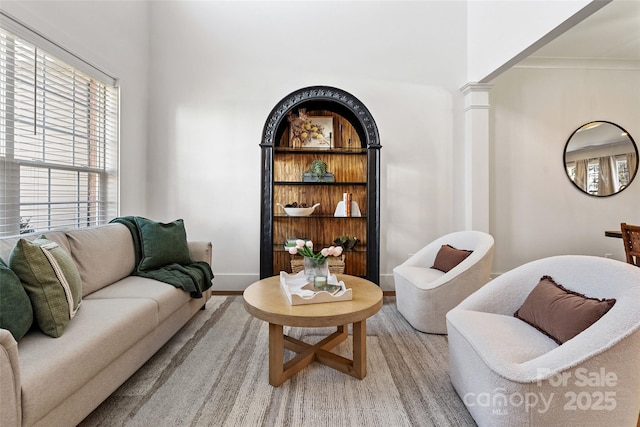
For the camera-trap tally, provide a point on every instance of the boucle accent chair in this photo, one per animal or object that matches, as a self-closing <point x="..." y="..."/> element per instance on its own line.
<point x="508" y="373"/>
<point x="424" y="295"/>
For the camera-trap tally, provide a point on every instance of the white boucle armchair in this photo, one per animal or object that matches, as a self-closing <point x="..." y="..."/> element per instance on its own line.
<point x="508" y="373"/>
<point x="424" y="295"/>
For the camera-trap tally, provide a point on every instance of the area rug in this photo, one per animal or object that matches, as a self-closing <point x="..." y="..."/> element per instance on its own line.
<point x="214" y="372"/>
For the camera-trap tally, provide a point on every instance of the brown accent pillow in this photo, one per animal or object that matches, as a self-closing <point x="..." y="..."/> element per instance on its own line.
<point x="559" y="313"/>
<point x="448" y="257"/>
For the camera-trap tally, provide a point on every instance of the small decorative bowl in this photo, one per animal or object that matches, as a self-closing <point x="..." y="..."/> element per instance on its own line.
<point x="299" y="211"/>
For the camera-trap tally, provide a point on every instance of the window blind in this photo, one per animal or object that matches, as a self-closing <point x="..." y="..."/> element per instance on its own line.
<point x="58" y="142"/>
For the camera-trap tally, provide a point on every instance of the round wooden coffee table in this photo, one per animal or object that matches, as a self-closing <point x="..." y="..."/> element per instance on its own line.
<point x="266" y="301"/>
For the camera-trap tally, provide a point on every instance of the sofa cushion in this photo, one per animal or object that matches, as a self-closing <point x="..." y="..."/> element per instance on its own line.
<point x="162" y="244"/>
<point x="101" y="332"/>
<point x="7" y="244"/>
<point x="448" y="257"/>
<point x="103" y="255"/>
<point x="51" y="280"/>
<point x="422" y="278"/>
<point x="560" y="313"/>
<point x="168" y="298"/>
<point x="500" y="340"/>
<point x="16" y="314"/>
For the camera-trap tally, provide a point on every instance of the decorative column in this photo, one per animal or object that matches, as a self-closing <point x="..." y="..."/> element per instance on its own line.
<point x="476" y="156"/>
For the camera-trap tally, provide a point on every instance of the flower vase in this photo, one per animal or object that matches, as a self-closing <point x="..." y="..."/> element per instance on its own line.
<point x="315" y="267"/>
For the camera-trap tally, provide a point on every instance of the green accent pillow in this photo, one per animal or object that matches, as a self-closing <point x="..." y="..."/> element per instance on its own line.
<point x="16" y="314"/>
<point x="51" y="280"/>
<point x="162" y="244"/>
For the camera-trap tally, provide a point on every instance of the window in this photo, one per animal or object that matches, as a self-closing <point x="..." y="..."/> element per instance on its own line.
<point x="623" y="171"/>
<point x="620" y="174"/>
<point x="58" y="139"/>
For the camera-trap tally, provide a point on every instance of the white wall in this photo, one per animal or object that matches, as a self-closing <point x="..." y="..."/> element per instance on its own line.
<point x="114" y="37"/>
<point x="217" y="70"/>
<point x="536" y="211"/>
<point x="208" y="73"/>
<point x="499" y="30"/>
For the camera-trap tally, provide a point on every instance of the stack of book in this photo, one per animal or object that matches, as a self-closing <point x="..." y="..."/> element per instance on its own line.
<point x="346" y="198"/>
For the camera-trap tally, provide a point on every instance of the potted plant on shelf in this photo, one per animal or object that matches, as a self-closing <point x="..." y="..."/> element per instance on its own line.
<point x="346" y="242"/>
<point x="317" y="172"/>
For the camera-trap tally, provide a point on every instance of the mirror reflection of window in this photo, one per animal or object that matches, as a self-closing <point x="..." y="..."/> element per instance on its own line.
<point x="601" y="158"/>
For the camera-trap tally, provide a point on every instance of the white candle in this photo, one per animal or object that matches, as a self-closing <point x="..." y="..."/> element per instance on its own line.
<point x="320" y="282"/>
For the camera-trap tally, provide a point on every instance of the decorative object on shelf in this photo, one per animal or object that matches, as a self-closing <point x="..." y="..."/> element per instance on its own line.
<point x="299" y="291"/>
<point x="315" y="264"/>
<point x="317" y="172"/>
<point x="346" y="198"/>
<point x="346" y="242"/>
<point x="298" y="210"/>
<point x="341" y="211"/>
<point x="310" y="131"/>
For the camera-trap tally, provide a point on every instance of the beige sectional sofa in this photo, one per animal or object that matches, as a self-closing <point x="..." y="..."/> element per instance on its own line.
<point x="123" y="320"/>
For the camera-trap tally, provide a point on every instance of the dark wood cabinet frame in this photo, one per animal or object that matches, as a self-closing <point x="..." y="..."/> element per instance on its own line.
<point x="349" y="107"/>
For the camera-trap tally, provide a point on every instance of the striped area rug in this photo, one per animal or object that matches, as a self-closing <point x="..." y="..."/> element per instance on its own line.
<point x="214" y="372"/>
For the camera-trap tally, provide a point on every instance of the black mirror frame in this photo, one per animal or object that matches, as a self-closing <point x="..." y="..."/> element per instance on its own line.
<point x="631" y="177"/>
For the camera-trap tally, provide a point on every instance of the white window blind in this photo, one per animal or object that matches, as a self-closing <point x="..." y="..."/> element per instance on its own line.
<point x="58" y="142"/>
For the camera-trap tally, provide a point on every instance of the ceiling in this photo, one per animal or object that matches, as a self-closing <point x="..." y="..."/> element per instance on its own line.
<point x="611" y="33"/>
<point x="597" y="134"/>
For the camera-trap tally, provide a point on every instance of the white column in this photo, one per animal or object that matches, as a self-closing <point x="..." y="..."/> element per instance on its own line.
<point x="476" y="156"/>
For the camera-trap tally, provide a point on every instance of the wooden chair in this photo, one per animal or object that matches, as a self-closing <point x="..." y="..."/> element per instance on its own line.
<point x="631" y="240"/>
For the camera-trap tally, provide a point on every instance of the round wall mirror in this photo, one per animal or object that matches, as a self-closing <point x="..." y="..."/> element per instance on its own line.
<point x="601" y="158"/>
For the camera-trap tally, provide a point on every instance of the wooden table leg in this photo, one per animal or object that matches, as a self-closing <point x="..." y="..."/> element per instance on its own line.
<point x="276" y="354"/>
<point x="360" y="349"/>
<point x="307" y="353"/>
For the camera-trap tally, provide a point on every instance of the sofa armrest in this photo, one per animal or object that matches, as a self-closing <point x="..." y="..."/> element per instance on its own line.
<point x="10" y="389"/>
<point x="200" y="251"/>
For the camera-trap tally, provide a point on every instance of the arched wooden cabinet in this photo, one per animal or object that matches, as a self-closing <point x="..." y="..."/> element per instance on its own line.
<point x="330" y="125"/>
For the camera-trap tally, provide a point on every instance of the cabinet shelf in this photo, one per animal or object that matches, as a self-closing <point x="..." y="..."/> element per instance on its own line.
<point x="297" y="218"/>
<point x="280" y="248"/>
<point x="360" y="183"/>
<point x="321" y="150"/>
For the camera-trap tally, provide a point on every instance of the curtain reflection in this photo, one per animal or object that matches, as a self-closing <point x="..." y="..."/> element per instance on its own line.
<point x="632" y="163"/>
<point x="581" y="174"/>
<point x="606" y="184"/>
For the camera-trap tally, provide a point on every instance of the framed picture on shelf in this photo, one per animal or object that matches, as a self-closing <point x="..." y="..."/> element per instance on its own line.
<point x="311" y="131"/>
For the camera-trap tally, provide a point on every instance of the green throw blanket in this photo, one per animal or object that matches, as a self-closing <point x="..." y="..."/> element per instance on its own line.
<point x="194" y="277"/>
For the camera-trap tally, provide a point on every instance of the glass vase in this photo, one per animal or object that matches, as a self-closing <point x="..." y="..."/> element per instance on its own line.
<point x="315" y="267"/>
